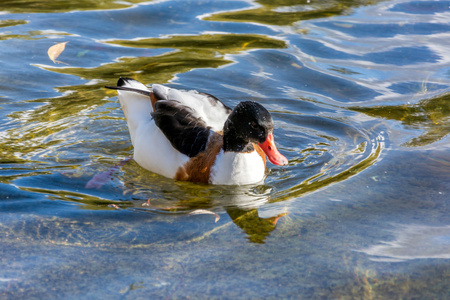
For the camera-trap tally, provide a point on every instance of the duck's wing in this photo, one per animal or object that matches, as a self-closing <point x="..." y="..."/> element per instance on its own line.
<point x="186" y="132"/>
<point x="204" y="106"/>
<point x="186" y="118"/>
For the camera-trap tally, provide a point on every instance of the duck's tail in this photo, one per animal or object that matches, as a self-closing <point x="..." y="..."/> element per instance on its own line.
<point x="136" y="101"/>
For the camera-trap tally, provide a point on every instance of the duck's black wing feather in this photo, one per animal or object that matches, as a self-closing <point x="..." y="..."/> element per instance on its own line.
<point x="187" y="133"/>
<point x="124" y="81"/>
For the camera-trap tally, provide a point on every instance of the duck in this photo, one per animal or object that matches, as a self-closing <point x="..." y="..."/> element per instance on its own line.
<point x="193" y="136"/>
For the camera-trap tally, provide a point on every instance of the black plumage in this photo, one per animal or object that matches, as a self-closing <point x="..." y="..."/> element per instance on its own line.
<point x="187" y="133"/>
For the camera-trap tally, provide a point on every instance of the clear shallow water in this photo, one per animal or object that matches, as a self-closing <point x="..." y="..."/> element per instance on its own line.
<point x="359" y="92"/>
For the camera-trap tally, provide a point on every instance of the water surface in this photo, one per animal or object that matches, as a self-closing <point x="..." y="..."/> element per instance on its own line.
<point x="359" y="92"/>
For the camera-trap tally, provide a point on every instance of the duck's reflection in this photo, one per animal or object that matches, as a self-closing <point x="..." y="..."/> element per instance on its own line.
<point x="252" y="224"/>
<point x="242" y="204"/>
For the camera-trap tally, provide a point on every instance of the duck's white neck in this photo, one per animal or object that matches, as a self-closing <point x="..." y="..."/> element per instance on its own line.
<point x="237" y="168"/>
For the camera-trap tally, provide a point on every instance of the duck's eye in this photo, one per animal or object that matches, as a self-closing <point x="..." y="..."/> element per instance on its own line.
<point x="253" y="125"/>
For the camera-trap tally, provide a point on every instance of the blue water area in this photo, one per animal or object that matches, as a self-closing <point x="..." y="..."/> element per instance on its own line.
<point x="360" y="96"/>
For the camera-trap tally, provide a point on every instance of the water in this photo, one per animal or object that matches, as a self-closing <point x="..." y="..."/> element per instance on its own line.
<point x="359" y="91"/>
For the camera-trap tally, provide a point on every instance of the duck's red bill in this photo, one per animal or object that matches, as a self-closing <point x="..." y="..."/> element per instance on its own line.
<point x="272" y="153"/>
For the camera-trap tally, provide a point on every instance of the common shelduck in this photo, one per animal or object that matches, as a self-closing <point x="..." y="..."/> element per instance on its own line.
<point x="187" y="135"/>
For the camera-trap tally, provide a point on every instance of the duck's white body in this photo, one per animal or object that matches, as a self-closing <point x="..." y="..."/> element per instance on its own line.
<point x="154" y="151"/>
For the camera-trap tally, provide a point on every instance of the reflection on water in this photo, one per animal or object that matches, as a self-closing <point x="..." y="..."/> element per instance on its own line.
<point x="241" y="205"/>
<point x="30" y="6"/>
<point x="430" y="115"/>
<point x="287" y="12"/>
<point x="412" y="242"/>
<point x="359" y="95"/>
<point x="326" y="176"/>
<point x="219" y="43"/>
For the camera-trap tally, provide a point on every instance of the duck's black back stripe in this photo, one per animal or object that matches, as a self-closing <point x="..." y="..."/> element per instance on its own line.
<point x="187" y="133"/>
<point x="124" y="88"/>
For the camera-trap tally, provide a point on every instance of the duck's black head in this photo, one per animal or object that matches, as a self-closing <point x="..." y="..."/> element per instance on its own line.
<point x="248" y="123"/>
